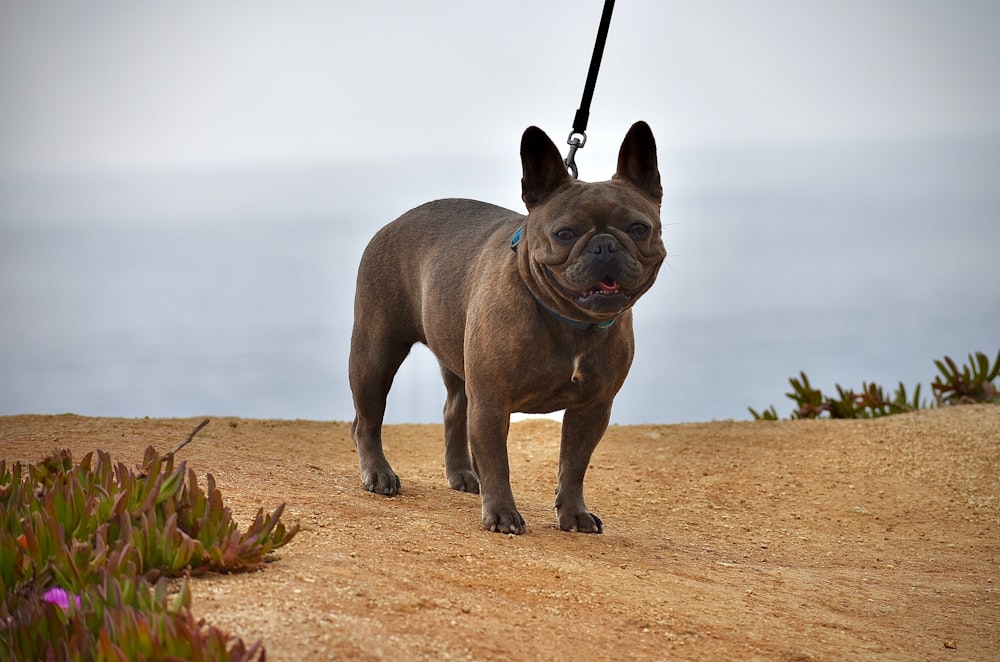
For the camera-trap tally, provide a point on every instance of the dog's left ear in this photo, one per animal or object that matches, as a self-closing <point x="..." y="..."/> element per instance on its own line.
<point x="637" y="161"/>
<point x="542" y="166"/>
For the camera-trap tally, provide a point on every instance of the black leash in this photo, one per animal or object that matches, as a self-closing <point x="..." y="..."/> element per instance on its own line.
<point x="578" y="136"/>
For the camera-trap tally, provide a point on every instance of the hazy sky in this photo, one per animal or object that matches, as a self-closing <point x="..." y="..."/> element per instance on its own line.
<point x="126" y="84"/>
<point x="802" y="234"/>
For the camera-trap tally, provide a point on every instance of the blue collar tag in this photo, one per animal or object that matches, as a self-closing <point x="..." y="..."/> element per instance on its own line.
<point x="516" y="239"/>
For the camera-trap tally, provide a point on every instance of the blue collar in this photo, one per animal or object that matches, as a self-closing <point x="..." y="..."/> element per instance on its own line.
<point x="572" y="323"/>
<point x="577" y="324"/>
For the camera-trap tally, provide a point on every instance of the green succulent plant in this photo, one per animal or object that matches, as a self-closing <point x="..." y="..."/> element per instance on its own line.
<point x="90" y="552"/>
<point x="971" y="383"/>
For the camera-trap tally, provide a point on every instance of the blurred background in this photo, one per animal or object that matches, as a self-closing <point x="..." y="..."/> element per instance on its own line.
<point x="186" y="189"/>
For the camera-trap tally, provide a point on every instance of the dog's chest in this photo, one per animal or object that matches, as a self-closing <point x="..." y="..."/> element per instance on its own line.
<point x="576" y="377"/>
<point x="585" y="372"/>
<point x="569" y="379"/>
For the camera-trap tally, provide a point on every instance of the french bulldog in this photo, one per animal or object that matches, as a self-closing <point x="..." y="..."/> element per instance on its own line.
<point x="524" y="314"/>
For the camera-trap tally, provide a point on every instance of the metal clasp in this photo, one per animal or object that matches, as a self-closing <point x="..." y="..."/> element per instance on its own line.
<point x="576" y="140"/>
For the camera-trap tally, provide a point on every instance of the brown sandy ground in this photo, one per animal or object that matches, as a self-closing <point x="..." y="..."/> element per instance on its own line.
<point x="796" y="540"/>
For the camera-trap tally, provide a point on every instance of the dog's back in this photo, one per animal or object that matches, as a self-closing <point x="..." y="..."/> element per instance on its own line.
<point x="419" y="252"/>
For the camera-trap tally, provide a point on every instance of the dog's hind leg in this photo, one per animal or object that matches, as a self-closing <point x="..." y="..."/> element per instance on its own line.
<point x="457" y="459"/>
<point x="374" y="360"/>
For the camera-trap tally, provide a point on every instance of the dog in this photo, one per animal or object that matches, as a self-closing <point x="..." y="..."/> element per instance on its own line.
<point x="523" y="313"/>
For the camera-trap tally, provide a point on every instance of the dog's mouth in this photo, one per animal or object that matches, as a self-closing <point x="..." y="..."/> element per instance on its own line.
<point x="608" y="286"/>
<point x="604" y="290"/>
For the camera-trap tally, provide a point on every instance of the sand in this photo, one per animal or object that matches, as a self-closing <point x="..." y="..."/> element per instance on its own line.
<point x="792" y="540"/>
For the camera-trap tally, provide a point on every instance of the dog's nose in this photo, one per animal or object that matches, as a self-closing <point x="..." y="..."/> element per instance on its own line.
<point x="603" y="247"/>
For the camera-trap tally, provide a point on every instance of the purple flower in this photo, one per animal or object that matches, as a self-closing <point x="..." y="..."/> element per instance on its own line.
<point x="60" y="597"/>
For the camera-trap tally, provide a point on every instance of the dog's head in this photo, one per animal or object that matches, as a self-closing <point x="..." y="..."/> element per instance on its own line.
<point x="591" y="249"/>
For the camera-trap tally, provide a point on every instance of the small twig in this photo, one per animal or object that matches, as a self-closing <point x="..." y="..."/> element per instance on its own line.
<point x="189" y="438"/>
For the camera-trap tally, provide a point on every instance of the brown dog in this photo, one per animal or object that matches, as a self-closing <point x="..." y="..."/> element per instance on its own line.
<point x="524" y="314"/>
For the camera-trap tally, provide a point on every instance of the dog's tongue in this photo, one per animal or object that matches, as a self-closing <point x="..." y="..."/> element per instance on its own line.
<point x="608" y="285"/>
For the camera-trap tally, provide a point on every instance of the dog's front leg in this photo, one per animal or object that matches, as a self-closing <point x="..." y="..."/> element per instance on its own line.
<point x="488" y="426"/>
<point x="582" y="429"/>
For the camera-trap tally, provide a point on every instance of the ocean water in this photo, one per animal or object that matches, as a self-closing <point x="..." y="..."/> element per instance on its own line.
<point x="189" y="294"/>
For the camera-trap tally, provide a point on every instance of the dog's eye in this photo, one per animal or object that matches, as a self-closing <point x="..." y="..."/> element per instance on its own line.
<point x="638" y="229"/>
<point x="565" y="234"/>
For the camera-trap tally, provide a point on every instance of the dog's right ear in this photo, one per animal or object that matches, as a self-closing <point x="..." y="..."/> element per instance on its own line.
<point x="542" y="167"/>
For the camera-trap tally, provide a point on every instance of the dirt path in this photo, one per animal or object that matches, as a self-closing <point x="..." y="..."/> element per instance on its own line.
<point x="804" y="540"/>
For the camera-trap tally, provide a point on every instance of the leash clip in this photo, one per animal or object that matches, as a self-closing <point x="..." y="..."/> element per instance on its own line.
<point x="576" y="140"/>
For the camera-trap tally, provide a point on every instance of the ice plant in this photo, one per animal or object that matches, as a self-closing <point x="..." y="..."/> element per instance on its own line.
<point x="100" y="541"/>
<point x="60" y="597"/>
<point x="972" y="383"/>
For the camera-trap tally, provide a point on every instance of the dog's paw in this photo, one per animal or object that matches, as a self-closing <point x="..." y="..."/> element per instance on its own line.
<point x="506" y="520"/>
<point x="585" y="522"/>
<point x="464" y="481"/>
<point x="384" y="482"/>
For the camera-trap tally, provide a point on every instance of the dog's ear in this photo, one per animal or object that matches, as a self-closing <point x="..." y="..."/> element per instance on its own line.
<point x="637" y="161"/>
<point x="542" y="166"/>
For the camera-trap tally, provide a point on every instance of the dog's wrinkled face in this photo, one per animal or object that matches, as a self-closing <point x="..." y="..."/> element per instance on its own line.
<point x="596" y="257"/>
<point x="591" y="249"/>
